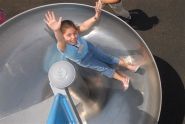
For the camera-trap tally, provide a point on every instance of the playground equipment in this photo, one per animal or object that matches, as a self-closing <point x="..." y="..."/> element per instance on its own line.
<point x="27" y="52"/>
<point x="61" y="75"/>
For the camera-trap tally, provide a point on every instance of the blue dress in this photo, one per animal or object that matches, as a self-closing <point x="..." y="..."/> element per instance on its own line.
<point x="87" y="55"/>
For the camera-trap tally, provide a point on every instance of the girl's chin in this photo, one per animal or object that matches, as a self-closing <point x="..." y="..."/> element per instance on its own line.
<point x="74" y="42"/>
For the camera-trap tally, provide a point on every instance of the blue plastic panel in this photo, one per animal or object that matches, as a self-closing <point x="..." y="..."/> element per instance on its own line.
<point x="61" y="112"/>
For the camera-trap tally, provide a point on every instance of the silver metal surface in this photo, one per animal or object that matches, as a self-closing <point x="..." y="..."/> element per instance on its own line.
<point x="25" y="52"/>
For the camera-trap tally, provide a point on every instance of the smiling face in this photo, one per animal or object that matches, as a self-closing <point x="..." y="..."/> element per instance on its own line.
<point x="70" y="35"/>
<point x="69" y="31"/>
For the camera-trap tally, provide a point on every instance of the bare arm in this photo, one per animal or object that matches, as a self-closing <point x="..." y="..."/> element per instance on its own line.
<point x="52" y="22"/>
<point x="110" y="1"/>
<point x="91" y="21"/>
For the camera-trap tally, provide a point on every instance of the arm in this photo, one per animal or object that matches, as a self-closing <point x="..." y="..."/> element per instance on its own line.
<point x="110" y="1"/>
<point x="91" y="21"/>
<point x="52" y="23"/>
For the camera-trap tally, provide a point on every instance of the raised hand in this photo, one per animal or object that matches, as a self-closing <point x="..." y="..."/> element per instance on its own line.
<point x="98" y="8"/>
<point x="51" y="21"/>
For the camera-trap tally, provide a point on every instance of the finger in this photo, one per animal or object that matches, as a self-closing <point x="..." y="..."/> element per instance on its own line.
<point x="96" y="7"/>
<point x="49" y="15"/>
<point x="46" y="16"/>
<point x="96" y="4"/>
<point x="53" y="15"/>
<point x="60" y="20"/>
<point x="100" y="5"/>
<point x="45" y="21"/>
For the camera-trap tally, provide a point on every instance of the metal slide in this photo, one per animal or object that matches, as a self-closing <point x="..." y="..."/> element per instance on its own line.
<point x="27" y="52"/>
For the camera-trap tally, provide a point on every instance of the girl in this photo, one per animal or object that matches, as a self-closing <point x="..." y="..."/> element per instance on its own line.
<point x="83" y="52"/>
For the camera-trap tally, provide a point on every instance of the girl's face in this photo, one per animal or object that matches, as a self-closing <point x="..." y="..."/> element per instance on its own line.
<point x="70" y="35"/>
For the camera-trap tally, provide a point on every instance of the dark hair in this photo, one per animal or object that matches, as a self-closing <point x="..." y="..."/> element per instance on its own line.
<point x="67" y="24"/>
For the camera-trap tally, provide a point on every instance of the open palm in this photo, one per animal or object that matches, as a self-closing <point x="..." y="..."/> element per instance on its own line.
<point x="51" y="21"/>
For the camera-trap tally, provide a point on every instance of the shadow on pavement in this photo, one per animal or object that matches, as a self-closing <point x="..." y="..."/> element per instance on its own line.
<point x="140" y="20"/>
<point x="173" y="95"/>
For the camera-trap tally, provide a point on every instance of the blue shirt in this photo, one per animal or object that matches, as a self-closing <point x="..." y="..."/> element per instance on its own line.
<point x="76" y="52"/>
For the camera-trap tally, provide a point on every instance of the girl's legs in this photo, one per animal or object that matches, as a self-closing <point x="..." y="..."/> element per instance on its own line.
<point x="95" y="64"/>
<point x="99" y="54"/>
<point x="111" y="60"/>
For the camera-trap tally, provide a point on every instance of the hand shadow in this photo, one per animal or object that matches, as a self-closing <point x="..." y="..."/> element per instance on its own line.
<point x="140" y="20"/>
<point x="173" y="95"/>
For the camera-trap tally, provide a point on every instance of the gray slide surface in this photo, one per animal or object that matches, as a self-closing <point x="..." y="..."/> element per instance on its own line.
<point x="25" y="52"/>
